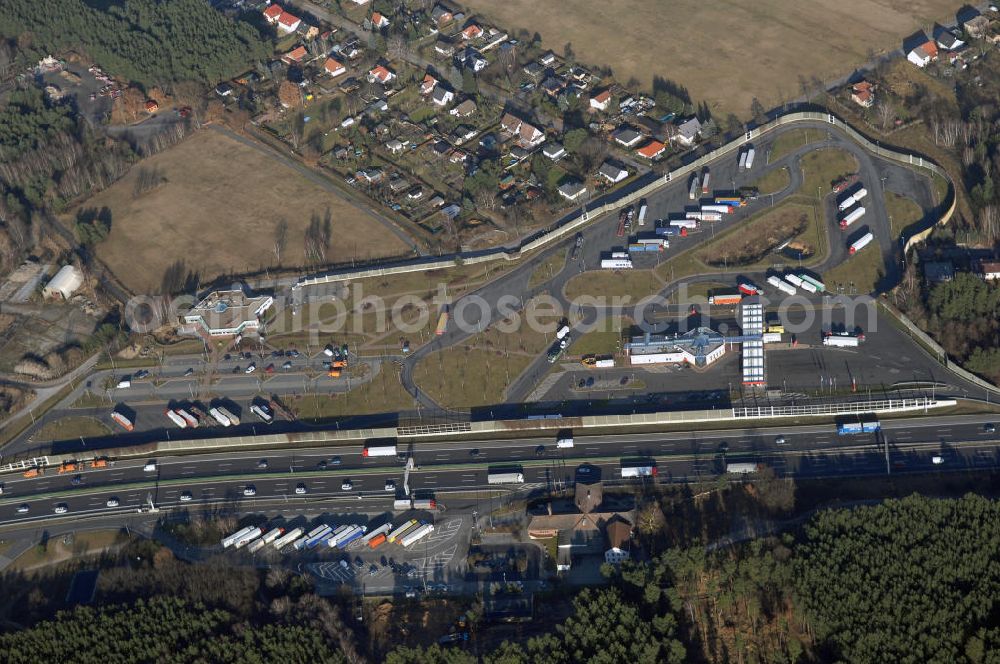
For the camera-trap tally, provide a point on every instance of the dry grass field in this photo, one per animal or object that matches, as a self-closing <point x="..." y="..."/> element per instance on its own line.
<point x="218" y="209"/>
<point x="723" y="52"/>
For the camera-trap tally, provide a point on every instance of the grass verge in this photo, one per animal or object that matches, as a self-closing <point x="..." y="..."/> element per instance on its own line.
<point x="72" y="427"/>
<point x="775" y="181"/>
<point x="860" y="273"/>
<point x="902" y="213"/>
<point x="790" y="141"/>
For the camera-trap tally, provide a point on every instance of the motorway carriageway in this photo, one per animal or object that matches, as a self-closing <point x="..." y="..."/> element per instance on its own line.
<point x="809" y="451"/>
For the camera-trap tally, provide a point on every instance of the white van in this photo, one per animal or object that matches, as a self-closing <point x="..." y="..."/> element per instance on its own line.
<point x="937" y="460"/>
<point x="563" y="443"/>
<point x="150" y="467"/>
<point x="124" y="384"/>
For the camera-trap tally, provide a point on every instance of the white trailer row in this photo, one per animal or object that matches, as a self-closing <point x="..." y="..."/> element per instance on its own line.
<point x="746" y="158"/>
<point x="616" y="264"/>
<point x="781" y="285"/>
<point x="856" y="197"/>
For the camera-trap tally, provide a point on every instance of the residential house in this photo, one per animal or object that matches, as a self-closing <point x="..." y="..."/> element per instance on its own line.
<point x="627" y="137"/>
<point x="464" y="110"/>
<point x="619" y="534"/>
<point x="936" y="272"/>
<point x="600" y="101"/>
<point x="416" y="193"/>
<point x="451" y="211"/>
<point x="527" y="135"/>
<point x="428" y="84"/>
<point x="547" y="59"/>
<point x="493" y="38"/>
<point x="977" y="27"/>
<point x="441" y="14"/>
<point x="989" y="270"/>
<point x="381" y="74"/>
<point x="288" y="23"/>
<point x="552" y="86"/>
<point x="534" y="70"/>
<point x="554" y="151"/>
<point x="295" y="56"/>
<point x="863" y="94"/>
<point x="442" y="96"/>
<point x="474" y="60"/>
<point x="572" y="190"/>
<point x="152" y="106"/>
<point x="444" y="48"/>
<point x="924" y="54"/>
<point x="333" y="68"/>
<point x="397" y="183"/>
<point x="947" y="40"/>
<point x="370" y="175"/>
<point x="272" y="13"/>
<point x="612" y="172"/>
<point x="519" y="153"/>
<point x="471" y="31"/>
<point x="651" y="150"/>
<point x="379" y="22"/>
<point x="395" y="146"/>
<point x="687" y="132"/>
<point x="457" y="157"/>
<point x="224" y="89"/>
<point x="310" y="32"/>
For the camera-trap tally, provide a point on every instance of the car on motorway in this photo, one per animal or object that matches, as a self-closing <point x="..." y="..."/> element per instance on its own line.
<point x="1" y="489"/>
<point x="23" y="508"/>
<point x="186" y="497"/>
<point x="250" y="368"/>
<point x="347" y="485"/>
<point x="937" y="460"/>
<point x="150" y="467"/>
<point x="336" y="461"/>
<point x="322" y="464"/>
<point x="76" y="481"/>
<point x="112" y="502"/>
<point x="262" y="464"/>
<point x="249" y="491"/>
<point x="540" y="450"/>
<point x="140" y="374"/>
<point x="61" y="508"/>
<point x="301" y="489"/>
<point x="990" y="428"/>
<point x="390" y="485"/>
<point x="780" y="440"/>
<point x="474" y="452"/>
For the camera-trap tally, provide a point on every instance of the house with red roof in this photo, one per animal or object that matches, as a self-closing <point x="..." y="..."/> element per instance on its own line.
<point x="295" y="56"/>
<point x="924" y="54"/>
<point x="651" y="150"/>
<point x="272" y="13"/>
<point x="381" y="74"/>
<point x="428" y="84"/>
<point x="288" y="23"/>
<point x="863" y="94"/>
<point x="600" y="101"/>
<point x="333" y="67"/>
<point x="472" y="31"/>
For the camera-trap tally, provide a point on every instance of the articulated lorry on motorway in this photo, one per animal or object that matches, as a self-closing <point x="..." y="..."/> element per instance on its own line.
<point x="634" y="469"/>
<point x="510" y="477"/>
<point x="865" y="424"/>
<point x="378" y="451"/>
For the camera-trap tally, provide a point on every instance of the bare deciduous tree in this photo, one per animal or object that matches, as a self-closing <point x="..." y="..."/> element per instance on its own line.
<point x="280" y="239"/>
<point x="886" y="113"/>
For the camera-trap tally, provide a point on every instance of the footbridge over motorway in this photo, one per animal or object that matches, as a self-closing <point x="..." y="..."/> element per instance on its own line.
<point x="537" y="426"/>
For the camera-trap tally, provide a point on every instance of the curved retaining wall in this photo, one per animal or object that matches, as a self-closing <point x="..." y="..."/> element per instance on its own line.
<point x="565" y="229"/>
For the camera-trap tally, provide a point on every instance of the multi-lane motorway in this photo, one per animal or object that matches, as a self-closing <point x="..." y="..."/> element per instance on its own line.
<point x="962" y="442"/>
